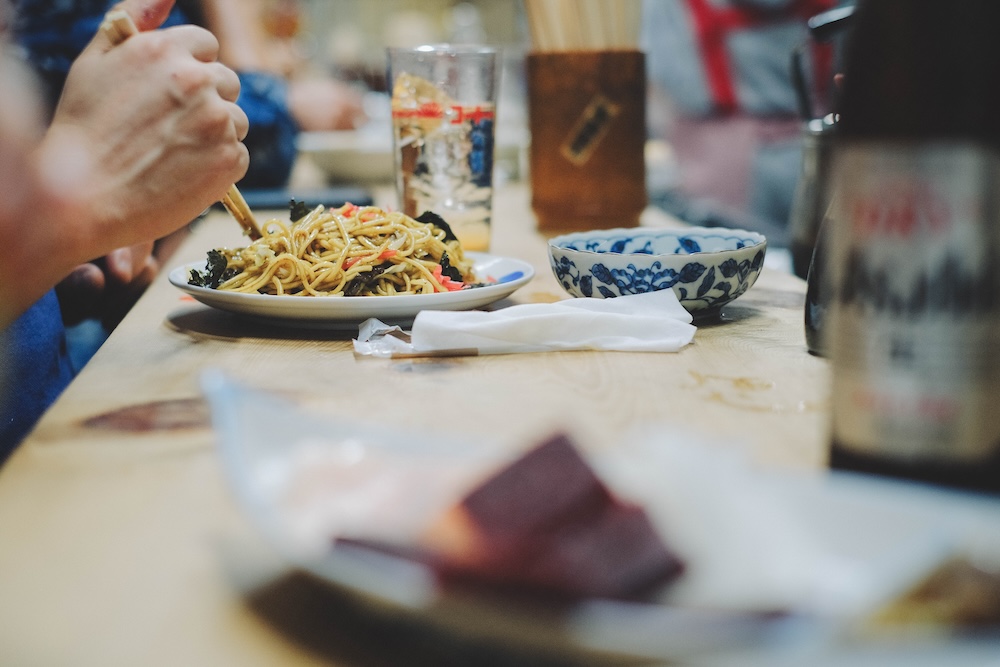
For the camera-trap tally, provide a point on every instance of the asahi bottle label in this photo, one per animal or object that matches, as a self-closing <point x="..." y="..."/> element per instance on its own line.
<point x="914" y="326"/>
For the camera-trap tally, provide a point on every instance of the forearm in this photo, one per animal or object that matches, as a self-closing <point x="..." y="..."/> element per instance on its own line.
<point x="38" y="253"/>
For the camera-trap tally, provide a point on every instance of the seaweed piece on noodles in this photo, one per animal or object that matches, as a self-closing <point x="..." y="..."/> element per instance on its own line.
<point x="215" y="272"/>
<point x="363" y="281"/>
<point x="297" y="210"/>
<point x="431" y="218"/>
<point x="448" y="270"/>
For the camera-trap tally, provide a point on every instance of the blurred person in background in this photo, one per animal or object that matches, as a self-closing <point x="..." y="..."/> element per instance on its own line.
<point x="722" y="97"/>
<point x="144" y="137"/>
<point x="259" y="36"/>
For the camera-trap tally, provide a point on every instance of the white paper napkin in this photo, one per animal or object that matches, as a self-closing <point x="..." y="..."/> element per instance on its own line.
<point x="650" y="322"/>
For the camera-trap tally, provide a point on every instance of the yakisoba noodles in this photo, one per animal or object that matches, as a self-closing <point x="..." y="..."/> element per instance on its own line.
<point x="348" y="251"/>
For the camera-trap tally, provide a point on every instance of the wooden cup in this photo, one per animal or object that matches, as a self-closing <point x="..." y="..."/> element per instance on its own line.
<point x="587" y="117"/>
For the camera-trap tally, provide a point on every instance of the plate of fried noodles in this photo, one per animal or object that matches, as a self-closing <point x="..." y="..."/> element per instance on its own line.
<point x="339" y="266"/>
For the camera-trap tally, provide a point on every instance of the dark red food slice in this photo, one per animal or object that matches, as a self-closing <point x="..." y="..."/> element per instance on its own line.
<point x="547" y="523"/>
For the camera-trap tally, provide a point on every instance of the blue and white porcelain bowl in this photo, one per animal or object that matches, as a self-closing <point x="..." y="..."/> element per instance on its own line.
<point x="706" y="267"/>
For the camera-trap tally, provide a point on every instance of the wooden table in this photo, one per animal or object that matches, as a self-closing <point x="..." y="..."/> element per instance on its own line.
<point x="121" y="544"/>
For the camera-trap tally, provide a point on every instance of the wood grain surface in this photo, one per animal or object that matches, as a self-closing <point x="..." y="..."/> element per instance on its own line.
<point x="122" y="545"/>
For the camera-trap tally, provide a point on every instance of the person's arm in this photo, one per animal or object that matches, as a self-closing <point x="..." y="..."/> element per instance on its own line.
<point x="316" y="102"/>
<point x="145" y="137"/>
<point x="242" y="42"/>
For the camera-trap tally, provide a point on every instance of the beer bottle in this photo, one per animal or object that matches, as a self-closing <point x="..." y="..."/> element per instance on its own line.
<point x="913" y="329"/>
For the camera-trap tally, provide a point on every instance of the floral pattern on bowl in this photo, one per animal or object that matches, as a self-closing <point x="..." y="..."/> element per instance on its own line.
<point x="706" y="267"/>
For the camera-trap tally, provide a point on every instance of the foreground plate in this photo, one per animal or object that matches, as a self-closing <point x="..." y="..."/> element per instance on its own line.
<point x="509" y="274"/>
<point x="826" y="549"/>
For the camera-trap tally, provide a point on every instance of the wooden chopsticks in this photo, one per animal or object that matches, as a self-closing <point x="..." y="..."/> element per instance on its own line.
<point x="118" y="26"/>
<point x="584" y="25"/>
<point x="238" y="208"/>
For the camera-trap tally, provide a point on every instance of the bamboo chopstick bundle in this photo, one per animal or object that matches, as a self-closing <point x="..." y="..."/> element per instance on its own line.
<point x="584" y="25"/>
<point x="118" y="26"/>
<point x="594" y="23"/>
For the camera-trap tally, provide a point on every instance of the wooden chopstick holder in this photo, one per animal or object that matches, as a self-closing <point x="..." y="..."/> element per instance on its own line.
<point x="118" y="26"/>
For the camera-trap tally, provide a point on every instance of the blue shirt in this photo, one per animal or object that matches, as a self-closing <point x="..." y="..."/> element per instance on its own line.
<point x="34" y="369"/>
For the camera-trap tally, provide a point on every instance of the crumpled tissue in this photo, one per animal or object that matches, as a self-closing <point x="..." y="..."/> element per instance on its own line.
<point x="649" y="322"/>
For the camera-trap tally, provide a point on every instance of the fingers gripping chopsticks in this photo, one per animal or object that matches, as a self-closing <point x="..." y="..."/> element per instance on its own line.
<point x="118" y="26"/>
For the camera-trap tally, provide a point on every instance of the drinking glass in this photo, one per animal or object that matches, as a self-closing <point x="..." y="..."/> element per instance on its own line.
<point x="443" y="117"/>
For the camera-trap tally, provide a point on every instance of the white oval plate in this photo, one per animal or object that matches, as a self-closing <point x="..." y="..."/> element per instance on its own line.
<point x="509" y="274"/>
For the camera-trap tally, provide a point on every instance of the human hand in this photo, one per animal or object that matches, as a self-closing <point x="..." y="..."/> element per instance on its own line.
<point x="320" y="105"/>
<point x="108" y="287"/>
<point x="146" y="134"/>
